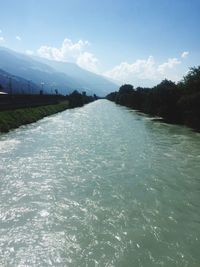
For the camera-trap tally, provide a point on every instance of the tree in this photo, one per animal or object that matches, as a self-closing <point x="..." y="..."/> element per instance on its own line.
<point x="126" y="89"/>
<point x="175" y="103"/>
<point x="75" y="99"/>
<point x="191" y="82"/>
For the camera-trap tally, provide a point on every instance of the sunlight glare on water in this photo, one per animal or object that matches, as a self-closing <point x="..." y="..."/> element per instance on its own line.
<point x="100" y="186"/>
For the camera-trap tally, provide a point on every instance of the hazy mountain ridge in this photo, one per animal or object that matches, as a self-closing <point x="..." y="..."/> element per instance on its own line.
<point x="18" y="84"/>
<point x="65" y="77"/>
<point x="86" y="78"/>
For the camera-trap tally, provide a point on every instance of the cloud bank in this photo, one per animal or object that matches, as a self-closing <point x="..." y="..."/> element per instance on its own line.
<point x="146" y="70"/>
<point x="71" y="52"/>
<point x="142" y="72"/>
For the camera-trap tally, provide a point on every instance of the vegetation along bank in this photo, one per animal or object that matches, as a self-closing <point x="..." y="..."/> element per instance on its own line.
<point x="20" y="109"/>
<point x="175" y="103"/>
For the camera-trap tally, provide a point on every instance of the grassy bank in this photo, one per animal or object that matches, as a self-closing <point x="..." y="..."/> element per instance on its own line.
<point x="11" y="119"/>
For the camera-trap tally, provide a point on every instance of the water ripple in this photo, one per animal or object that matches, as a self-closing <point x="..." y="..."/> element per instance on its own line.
<point x="100" y="186"/>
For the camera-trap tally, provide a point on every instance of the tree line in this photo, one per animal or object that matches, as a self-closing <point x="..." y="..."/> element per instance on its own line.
<point x="15" y="101"/>
<point x="175" y="103"/>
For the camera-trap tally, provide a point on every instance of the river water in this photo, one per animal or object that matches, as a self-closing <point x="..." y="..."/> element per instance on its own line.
<point x="101" y="186"/>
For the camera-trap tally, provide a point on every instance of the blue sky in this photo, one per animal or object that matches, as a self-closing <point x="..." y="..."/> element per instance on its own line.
<point x="141" y="42"/>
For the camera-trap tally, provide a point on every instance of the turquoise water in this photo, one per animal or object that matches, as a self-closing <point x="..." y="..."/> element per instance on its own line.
<point x="100" y="186"/>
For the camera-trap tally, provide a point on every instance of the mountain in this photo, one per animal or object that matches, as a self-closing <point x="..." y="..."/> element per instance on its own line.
<point x="39" y="73"/>
<point x="18" y="84"/>
<point x="51" y="75"/>
<point x="87" y="79"/>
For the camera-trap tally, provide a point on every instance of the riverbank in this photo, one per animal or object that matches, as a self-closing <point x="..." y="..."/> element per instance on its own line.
<point x="174" y="103"/>
<point x="17" y="110"/>
<point x="10" y="119"/>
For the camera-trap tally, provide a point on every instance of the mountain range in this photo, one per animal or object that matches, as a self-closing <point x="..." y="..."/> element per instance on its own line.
<point x="17" y="84"/>
<point x="34" y="74"/>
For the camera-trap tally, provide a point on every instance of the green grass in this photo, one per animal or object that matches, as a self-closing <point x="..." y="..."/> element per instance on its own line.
<point x="11" y="119"/>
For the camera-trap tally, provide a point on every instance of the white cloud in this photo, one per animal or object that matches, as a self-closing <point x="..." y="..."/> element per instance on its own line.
<point x="71" y="52"/>
<point x="18" y="38"/>
<point x="2" y="40"/>
<point x="170" y="64"/>
<point x="144" y="70"/>
<point x="185" y="54"/>
<point x="87" y="61"/>
<point x="29" y="52"/>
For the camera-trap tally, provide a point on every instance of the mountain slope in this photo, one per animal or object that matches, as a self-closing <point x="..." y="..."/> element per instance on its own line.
<point x="30" y="69"/>
<point x="16" y="84"/>
<point x="65" y="77"/>
<point x="88" y="79"/>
